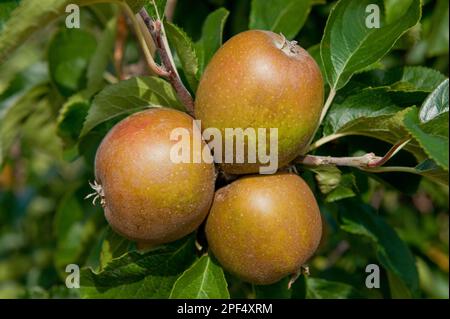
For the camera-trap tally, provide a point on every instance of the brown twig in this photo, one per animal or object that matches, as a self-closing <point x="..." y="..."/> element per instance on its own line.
<point x="155" y="29"/>
<point x="366" y="160"/>
<point x="146" y="47"/>
<point x="122" y="33"/>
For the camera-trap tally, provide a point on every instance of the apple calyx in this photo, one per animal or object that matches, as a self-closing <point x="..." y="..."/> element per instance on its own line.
<point x="97" y="194"/>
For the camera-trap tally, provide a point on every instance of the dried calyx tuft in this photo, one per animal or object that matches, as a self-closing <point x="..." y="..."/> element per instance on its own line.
<point x="99" y="193"/>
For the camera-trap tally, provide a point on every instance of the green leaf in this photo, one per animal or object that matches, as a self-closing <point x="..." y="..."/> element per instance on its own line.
<point x="280" y="16"/>
<point x="328" y="177"/>
<point x="71" y="231"/>
<point x="155" y="8"/>
<point x="437" y="37"/>
<point x="324" y="289"/>
<point x="13" y="117"/>
<point x="397" y="288"/>
<point x="137" y="275"/>
<point x="203" y="280"/>
<point x="429" y="126"/>
<point x="68" y="56"/>
<point x="71" y="118"/>
<point x="69" y="212"/>
<point x="392" y="252"/>
<point x="415" y="78"/>
<point x="75" y="109"/>
<point x="314" y="51"/>
<point x="371" y="113"/>
<point x="431" y="170"/>
<point x="394" y="9"/>
<point x="136" y="5"/>
<point x="29" y="17"/>
<point x="113" y="246"/>
<point x="89" y="143"/>
<point x="212" y="34"/>
<point x="19" y="65"/>
<point x="405" y="86"/>
<point x="186" y="53"/>
<point x="432" y="136"/>
<point x="71" y="247"/>
<point x="345" y="189"/>
<point x="127" y="97"/>
<point x="107" y="246"/>
<point x="101" y="56"/>
<point x="436" y="103"/>
<point x="17" y="85"/>
<point x="349" y="46"/>
<point x="42" y="120"/>
<point x="367" y="104"/>
<point x="6" y="8"/>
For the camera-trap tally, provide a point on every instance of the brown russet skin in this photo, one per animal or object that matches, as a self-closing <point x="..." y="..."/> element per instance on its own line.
<point x="263" y="228"/>
<point x="149" y="198"/>
<point x="259" y="80"/>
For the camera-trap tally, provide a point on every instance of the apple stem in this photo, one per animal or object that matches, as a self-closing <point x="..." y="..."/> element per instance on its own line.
<point x="327" y="105"/>
<point x="327" y="139"/>
<point x="159" y="37"/>
<point x="303" y="270"/>
<point x="289" y="47"/>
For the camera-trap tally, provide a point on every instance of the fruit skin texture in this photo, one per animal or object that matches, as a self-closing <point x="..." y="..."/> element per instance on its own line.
<point x="252" y="82"/>
<point x="263" y="228"/>
<point x="148" y="198"/>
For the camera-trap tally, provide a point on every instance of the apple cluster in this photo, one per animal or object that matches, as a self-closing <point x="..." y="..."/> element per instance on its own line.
<point x="260" y="228"/>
